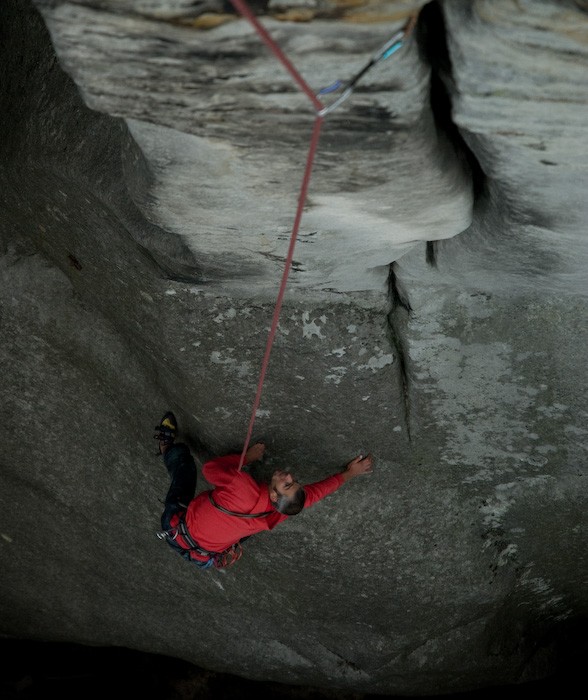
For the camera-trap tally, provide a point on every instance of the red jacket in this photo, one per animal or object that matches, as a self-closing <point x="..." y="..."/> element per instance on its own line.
<point x="236" y="490"/>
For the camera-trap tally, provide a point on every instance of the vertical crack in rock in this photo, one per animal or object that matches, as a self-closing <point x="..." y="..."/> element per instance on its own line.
<point x="397" y="319"/>
<point x="431" y="36"/>
<point x="431" y="254"/>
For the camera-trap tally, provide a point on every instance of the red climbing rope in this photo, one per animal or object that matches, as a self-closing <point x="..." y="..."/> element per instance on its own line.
<point x="301" y="200"/>
<point x="243" y="9"/>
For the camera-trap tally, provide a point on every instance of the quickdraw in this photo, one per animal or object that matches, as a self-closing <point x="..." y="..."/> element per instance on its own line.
<point x="391" y="46"/>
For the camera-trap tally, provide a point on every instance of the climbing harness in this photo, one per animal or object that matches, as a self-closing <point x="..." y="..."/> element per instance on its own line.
<point x="182" y="529"/>
<point x="220" y="560"/>
<point x="237" y="515"/>
<point x="390" y="47"/>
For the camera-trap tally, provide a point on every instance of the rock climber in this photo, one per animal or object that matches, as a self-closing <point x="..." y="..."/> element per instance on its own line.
<point x="208" y="529"/>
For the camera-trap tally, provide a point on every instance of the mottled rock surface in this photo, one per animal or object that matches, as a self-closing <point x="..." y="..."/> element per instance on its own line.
<point x="151" y="155"/>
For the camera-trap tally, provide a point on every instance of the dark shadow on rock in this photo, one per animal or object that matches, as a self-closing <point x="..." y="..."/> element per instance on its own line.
<point x="54" y="148"/>
<point x="431" y="36"/>
<point x="33" y="670"/>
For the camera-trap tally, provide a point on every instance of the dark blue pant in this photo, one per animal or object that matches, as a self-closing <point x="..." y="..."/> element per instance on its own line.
<point x="181" y="467"/>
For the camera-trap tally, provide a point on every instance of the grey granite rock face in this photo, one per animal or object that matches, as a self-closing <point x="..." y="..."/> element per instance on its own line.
<point x="519" y="89"/>
<point x="384" y="177"/>
<point x="151" y="155"/>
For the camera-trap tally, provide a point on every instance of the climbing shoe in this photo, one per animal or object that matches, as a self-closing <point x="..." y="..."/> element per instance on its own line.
<point x="165" y="432"/>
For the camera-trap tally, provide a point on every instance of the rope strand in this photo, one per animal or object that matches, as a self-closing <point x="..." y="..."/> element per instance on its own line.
<point x="321" y="111"/>
<point x="243" y="9"/>
<point x="301" y="201"/>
